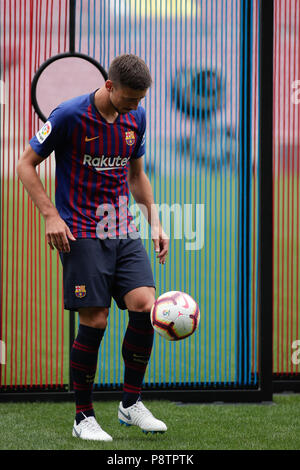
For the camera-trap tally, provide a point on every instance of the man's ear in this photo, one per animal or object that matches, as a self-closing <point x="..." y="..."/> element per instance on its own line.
<point x="109" y="85"/>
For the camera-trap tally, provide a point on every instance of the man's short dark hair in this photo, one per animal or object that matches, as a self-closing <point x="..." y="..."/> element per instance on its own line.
<point x="131" y="71"/>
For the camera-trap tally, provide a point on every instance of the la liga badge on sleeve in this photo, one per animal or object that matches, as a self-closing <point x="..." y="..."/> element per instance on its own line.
<point x="44" y="132"/>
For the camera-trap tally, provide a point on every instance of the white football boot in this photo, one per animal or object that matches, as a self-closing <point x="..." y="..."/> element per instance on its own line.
<point x="139" y="415"/>
<point x="90" y="430"/>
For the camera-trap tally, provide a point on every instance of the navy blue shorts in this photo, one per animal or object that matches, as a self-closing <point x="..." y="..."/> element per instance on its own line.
<point x="96" y="270"/>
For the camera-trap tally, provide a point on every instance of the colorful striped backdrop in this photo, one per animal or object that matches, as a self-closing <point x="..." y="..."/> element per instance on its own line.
<point x="196" y="160"/>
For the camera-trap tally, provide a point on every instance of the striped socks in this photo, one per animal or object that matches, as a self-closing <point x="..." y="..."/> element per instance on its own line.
<point x="84" y="356"/>
<point x="136" y="350"/>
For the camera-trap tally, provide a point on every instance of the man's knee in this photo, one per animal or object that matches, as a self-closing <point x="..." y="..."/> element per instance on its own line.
<point x="140" y="299"/>
<point x="95" y="317"/>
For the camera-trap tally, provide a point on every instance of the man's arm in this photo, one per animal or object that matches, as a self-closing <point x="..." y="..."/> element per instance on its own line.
<point x="57" y="232"/>
<point x="141" y="190"/>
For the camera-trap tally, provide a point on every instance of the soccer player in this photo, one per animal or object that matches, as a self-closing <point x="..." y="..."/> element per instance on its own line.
<point x="99" y="142"/>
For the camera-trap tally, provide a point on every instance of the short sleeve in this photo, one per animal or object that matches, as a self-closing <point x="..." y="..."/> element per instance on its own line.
<point x="52" y="134"/>
<point x="139" y="150"/>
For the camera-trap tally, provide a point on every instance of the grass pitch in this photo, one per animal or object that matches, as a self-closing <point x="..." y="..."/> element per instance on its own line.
<point x="48" y="426"/>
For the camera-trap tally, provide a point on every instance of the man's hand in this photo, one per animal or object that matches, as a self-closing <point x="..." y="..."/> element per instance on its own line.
<point x="58" y="233"/>
<point x="161" y="243"/>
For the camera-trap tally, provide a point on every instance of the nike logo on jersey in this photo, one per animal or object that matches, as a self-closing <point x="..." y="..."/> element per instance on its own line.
<point x="87" y="139"/>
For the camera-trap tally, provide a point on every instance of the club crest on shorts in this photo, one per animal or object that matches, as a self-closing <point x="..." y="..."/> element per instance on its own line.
<point x="80" y="291"/>
<point x="130" y="137"/>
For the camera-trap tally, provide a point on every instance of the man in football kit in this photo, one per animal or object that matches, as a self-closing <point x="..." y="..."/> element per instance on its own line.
<point x="99" y="139"/>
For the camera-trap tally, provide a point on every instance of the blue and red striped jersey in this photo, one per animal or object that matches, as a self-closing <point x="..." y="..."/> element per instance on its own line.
<point x="92" y="159"/>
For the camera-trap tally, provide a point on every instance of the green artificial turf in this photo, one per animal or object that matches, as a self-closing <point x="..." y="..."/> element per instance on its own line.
<point x="267" y="426"/>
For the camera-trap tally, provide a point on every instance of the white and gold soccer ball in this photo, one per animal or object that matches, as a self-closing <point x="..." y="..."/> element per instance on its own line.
<point x="175" y="315"/>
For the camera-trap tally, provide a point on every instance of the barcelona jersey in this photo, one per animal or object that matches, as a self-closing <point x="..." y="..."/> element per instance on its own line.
<point x="92" y="160"/>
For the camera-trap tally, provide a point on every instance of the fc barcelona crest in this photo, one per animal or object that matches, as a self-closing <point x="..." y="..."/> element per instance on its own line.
<point x="80" y="291"/>
<point x="130" y="137"/>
